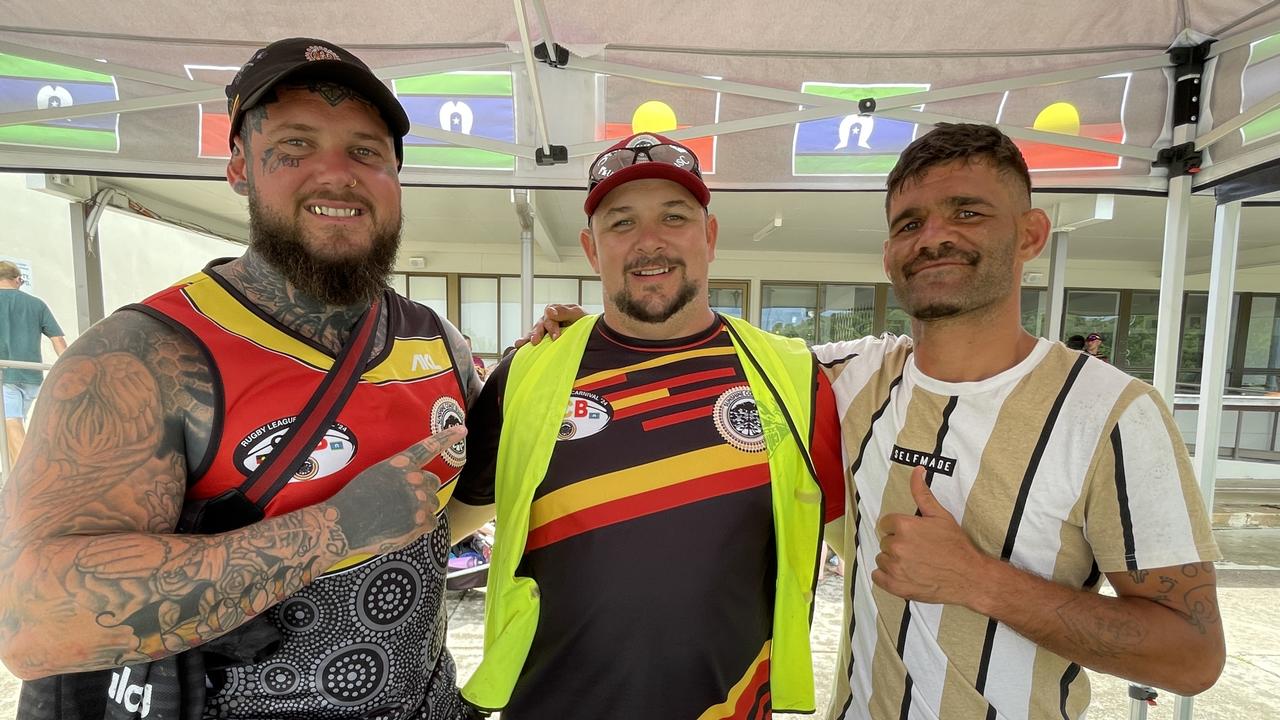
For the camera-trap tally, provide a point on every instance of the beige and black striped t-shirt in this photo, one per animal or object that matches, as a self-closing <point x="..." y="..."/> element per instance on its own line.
<point x="1062" y="465"/>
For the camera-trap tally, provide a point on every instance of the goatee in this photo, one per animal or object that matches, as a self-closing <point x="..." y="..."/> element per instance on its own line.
<point x="636" y="310"/>
<point x="333" y="281"/>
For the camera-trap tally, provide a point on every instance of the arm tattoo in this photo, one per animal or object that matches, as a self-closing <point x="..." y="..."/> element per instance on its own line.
<point x="1200" y="602"/>
<point x="1191" y="594"/>
<point x="84" y="521"/>
<point x="204" y="586"/>
<point x="1106" y="631"/>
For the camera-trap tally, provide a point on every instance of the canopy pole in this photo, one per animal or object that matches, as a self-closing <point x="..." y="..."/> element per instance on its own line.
<point x="1222" y="273"/>
<point x="523" y="199"/>
<point x="86" y="268"/>
<point x="1057" y="289"/>
<point x="1184" y="116"/>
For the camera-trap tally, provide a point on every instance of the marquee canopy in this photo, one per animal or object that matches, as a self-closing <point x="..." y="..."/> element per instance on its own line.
<point x="779" y="95"/>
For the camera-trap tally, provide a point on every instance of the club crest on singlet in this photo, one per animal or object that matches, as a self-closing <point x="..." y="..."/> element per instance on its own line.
<point x="334" y="451"/>
<point x="737" y="419"/>
<point x="586" y="415"/>
<point x="446" y="413"/>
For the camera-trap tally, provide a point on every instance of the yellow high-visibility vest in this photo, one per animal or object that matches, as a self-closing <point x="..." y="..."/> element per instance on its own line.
<point x="781" y="373"/>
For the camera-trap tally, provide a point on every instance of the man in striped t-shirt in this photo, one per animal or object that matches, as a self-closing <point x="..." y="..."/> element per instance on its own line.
<point x="997" y="477"/>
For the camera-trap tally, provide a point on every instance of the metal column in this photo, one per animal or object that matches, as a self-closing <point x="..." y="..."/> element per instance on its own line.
<point x="523" y="199"/>
<point x="526" y="277"/>
<point x="1173" y="270"/>
<point x="86" y="269"/>
<point x="1222" y="273"/>
<point x="1222" y="280"/>
<point x="1057" y="290"/>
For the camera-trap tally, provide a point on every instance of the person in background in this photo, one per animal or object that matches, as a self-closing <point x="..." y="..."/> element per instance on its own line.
<point x="481" y="370"/>
<point x="1075" y="342"/>
<point x="1093" y="346"/>
<point x="24" y="318"/>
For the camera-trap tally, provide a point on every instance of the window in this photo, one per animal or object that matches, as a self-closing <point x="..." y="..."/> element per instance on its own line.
<point x="1139" y="354"/>
<point x="1035" y="310"/>
<point x="430" y="290"/>
<point x="479" y="296"/>
<point x="818" y="313"/>
<point x="491" y="306"/>
<point x="848" y="312"/>
<point x="1090" y="311"/>
<point x="1262" y="345"/>
<point x="896" y="319"/>
<point x="729" y="297"/>
<point x="789" y="310"/>
<point x="592" y="296"/>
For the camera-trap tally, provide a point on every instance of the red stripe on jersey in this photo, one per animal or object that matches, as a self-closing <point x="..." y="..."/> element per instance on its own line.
<point x="673" y="400"/>
<point x="628" y="508"/>
<point x="748" y="705"/>
<point x="689" y="379"/>
<point x="676" y="418"/>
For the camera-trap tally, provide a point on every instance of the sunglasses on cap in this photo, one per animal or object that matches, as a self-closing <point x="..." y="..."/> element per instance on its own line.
<point x="615" y="160"/>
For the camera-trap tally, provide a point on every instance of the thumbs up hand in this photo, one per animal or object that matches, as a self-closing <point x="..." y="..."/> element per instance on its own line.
<point x="928" y="557"/>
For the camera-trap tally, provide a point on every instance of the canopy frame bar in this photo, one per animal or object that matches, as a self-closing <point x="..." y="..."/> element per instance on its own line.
<point x="151" y="77"/>
<point x="1259" y="109"/>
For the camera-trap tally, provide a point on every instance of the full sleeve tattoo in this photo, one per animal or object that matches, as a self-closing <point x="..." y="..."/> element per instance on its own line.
<point x="89" y="575"/>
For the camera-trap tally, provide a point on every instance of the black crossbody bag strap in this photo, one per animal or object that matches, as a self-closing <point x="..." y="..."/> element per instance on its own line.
<point x="246" y="504"/>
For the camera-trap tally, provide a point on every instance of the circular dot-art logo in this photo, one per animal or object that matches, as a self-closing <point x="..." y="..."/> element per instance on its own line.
<point x="353" y="675"/>
<point x="299" y="614"/>
<point x="446" y="413"/>
<point x="737" y="420"/>
<point x="279" y="679"/>
<point x="388" y="594"/>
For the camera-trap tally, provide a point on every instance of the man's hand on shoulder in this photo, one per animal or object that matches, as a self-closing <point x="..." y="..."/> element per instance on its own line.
<point x="554" y="318"/>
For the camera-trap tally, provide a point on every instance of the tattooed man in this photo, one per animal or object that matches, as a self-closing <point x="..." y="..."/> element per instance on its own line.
<point x="182" y="396"/>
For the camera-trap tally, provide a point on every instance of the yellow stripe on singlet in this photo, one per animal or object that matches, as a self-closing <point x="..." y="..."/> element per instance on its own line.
<point x="215" y="303"/>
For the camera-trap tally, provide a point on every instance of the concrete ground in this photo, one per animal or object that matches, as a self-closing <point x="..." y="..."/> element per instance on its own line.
<point x="1249" y="578"/>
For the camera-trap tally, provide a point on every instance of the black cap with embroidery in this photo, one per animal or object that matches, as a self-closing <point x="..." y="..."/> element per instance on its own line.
<point x="304" y="59"/>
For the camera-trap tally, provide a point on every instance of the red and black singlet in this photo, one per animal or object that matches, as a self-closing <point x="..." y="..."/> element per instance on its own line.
<point x="366" y="638"/>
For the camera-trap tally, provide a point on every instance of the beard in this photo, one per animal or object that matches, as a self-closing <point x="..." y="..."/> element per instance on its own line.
<point x="344" y="280"/>
<point x="638" y="310"/>
<point x="991" y="281"/>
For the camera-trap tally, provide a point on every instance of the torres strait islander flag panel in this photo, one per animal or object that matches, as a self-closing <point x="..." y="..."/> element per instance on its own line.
<point x="1260" y="80"/>
<point x="27" y="84"/>
<point x="1088" y="109"/>
<point x="479" y="103"/>
<point x="852" y="144"/>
